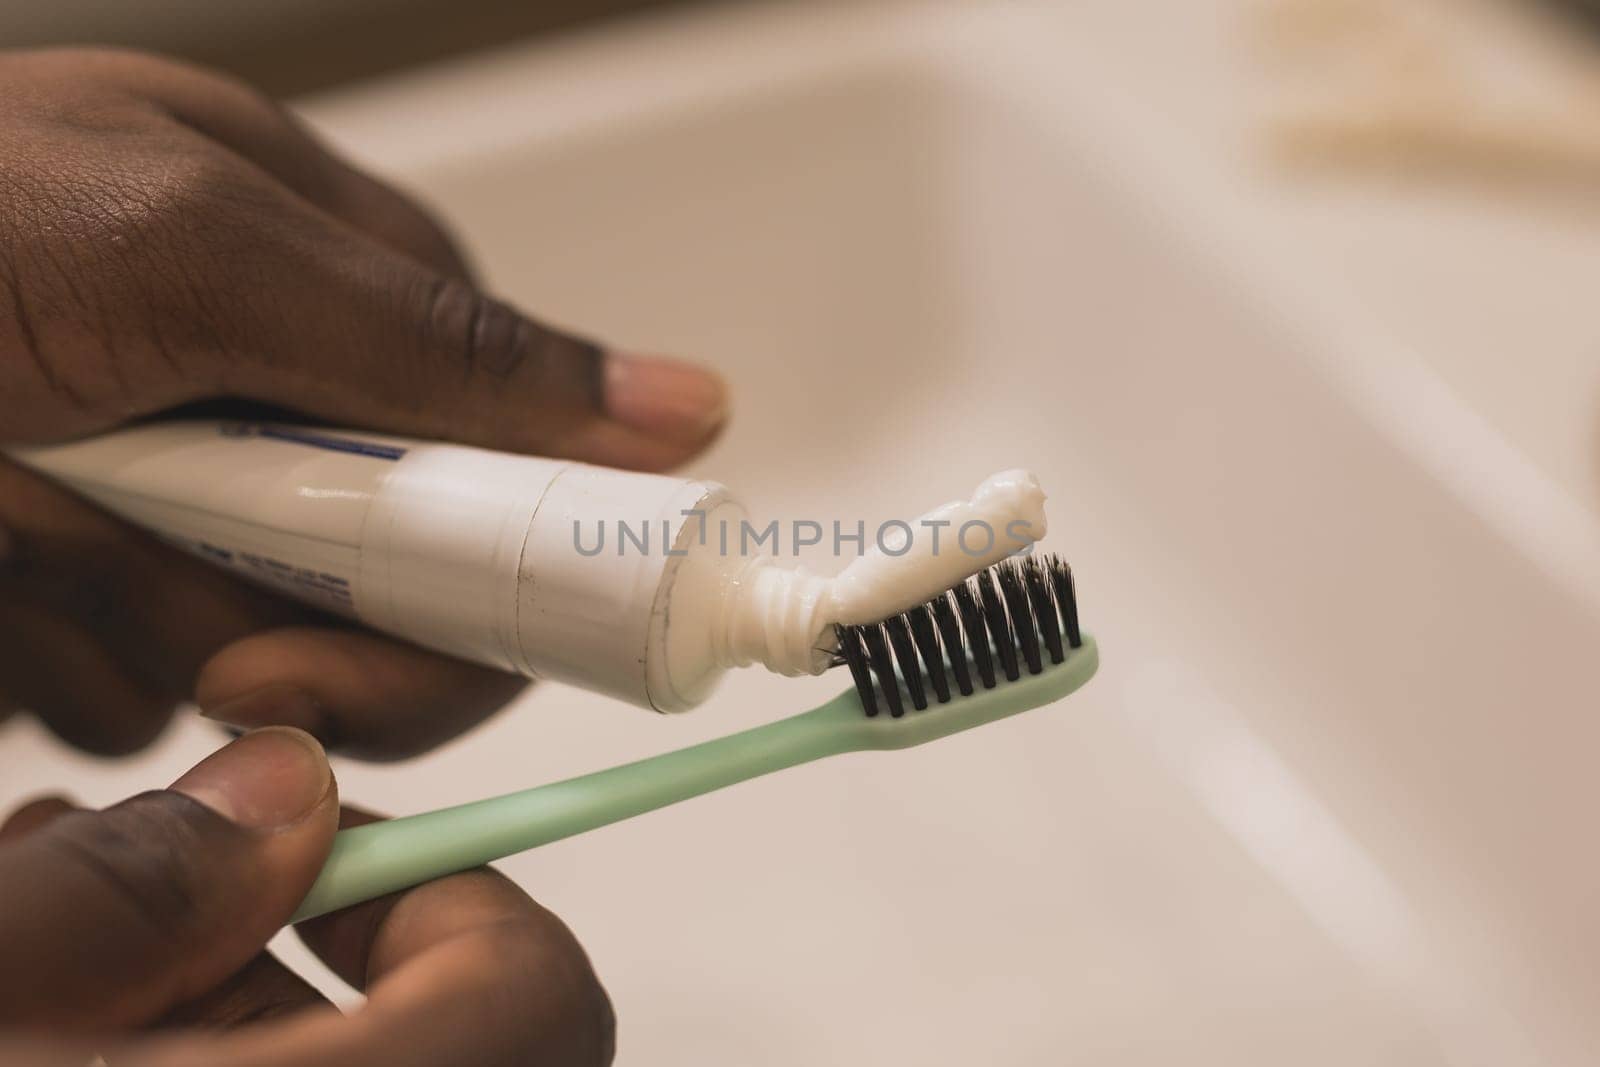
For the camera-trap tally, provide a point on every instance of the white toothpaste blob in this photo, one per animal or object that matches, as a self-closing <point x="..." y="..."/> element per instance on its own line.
<point x="780" y="617"/>
<point x="917" y="561"/>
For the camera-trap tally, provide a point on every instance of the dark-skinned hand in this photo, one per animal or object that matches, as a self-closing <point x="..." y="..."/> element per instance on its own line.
<point x="137" y="933"/>
<point x="169" y="237"/>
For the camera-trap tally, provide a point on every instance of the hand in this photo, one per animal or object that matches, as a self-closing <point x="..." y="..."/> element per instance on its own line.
<point x="137" y="933"/>
<point x="169" y="237"/>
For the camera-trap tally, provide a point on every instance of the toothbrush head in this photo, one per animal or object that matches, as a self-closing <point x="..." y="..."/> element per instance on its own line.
<point x="1005" y="640"/>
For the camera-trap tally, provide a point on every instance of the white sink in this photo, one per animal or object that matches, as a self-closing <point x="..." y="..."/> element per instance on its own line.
<point x="1330" y="801"/>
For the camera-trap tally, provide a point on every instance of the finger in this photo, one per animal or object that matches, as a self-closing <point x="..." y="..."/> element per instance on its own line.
<point x="160" y="613"/>
<point x="431" y="356"/>
<point x="361" y="693"/>
<point x="122" y="914"/>
<point x="60" y="671"/>
<point x="34" y="815"/>
<point x="260" y="991"/>
<point x="236" y="115"/>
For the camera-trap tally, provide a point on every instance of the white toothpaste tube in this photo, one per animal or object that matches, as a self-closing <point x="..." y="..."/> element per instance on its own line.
<point x="614" y="581"/>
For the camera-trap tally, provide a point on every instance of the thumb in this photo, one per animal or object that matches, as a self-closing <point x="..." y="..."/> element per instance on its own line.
<point x="384" y="342"/>
<point x="110" y="918"/>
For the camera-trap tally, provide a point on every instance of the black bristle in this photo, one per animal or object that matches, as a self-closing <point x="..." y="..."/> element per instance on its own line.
<point x="927" y="639"/>
<point x="977" y="633"/>
<point x="944" y="616"/>
<point x="856" y="658"/>
<point x="1018" y="611"/>
<point x="1036" y="579"/>
<point x="883" y="667"/>
<point x="1066" y="599"/>
<point x="905" y="652"/>
<point x="994" y="613"/>
<point x="1022" y="621"/>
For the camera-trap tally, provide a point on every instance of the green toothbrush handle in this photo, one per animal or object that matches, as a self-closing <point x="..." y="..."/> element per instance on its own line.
<point x="369" y="861"/>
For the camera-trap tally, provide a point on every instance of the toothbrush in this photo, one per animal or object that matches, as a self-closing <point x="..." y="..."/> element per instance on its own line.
<point x="1007" y="638"/>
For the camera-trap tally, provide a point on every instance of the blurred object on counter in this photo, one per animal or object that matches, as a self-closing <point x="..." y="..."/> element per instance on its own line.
<point x="1435" y="90"/>
<point x="297" y="46"/>
<point x="1422" y="140"/>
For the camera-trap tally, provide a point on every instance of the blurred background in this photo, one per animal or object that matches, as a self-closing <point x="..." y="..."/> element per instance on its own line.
<point x="296" y="46"/>
<point x="1291" y="304"/>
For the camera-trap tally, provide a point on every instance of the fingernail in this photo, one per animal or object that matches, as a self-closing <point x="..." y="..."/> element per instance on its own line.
<point x="266" y="780"/>
<point x="664" y="397"/>
<point x="279" y="704"/>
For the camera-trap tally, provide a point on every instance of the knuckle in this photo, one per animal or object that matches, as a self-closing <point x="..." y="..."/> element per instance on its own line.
<point x="195" y="192"/>
<point x="146" y="856"/>
<point x="485" y="337"/>
<point x="482" y="335"/>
